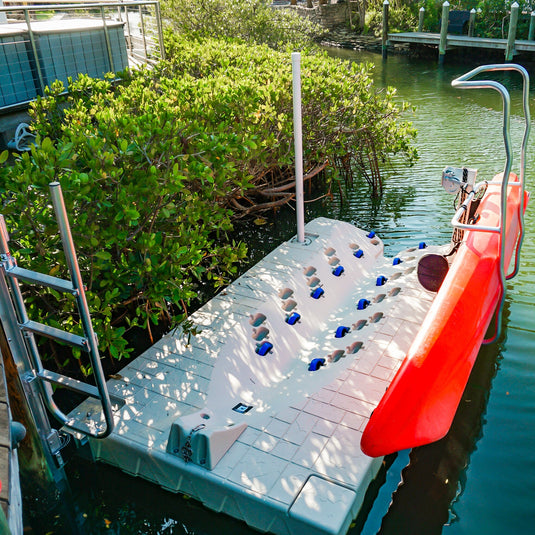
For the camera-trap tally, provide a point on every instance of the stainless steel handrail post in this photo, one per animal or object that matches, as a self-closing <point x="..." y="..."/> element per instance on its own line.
<point x="34" y="50"/>
<point x="129" y="29"/>
<point x="143" y="32"/>
<point x="465" y="82"/>
<point x="160" y="32"/>
<point x="107" y="37"/>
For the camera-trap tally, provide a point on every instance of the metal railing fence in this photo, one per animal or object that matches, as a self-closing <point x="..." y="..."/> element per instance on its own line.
<point x="54" y="40"/>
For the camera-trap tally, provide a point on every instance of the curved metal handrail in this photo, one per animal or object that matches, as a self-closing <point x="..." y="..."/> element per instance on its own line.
<point x="465" y="82"/>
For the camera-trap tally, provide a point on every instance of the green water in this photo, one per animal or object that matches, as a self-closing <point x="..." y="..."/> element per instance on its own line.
<point x="480" y="479"/>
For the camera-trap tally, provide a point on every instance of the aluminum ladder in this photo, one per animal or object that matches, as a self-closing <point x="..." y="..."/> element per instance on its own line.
<point x="20" y="332"/>
<point x="465" y="82"/>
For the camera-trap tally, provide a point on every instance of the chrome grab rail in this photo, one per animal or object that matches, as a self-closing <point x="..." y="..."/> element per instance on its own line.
<point x="465" y="82"/>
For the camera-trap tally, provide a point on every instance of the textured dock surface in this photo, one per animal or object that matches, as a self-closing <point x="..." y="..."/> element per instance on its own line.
<point x="297" y="467"/>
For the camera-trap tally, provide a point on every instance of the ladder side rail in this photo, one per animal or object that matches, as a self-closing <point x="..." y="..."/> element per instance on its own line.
<point x="16" y="295"/>
<point x="74" y="269"/>
<point x="19" y="314"/>
<point x="32" y="366"/>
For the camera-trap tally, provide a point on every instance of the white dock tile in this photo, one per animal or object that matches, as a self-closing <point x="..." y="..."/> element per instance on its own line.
<point x="355" y="421"/>
<point x="390" y="326"/>
<point x="324" y="504"/>
<point x="386" y="361"/>
<point x="231" y="459"/>
<point x="382" y="373"/>
<point x="258" y="472"/>
<point x="341" y="458"/>
<point x="335" y="385"/>
<point x="265" y="442"/>
<point x="370" y="355"/>
<point x="310" y="450"/>
<point x="324" y="395"/>
<point x="364" y="387"/>
<point x="300" y="429"/>
<point x="325" y="428"/>
<point x="277" y="427"/>
<point x="285" y="450"/>
<point x="160" y="412"/>
<point x="289" y="483"/>
<point x="324" y="411"/>
<point x="354" y="405"/>
<point x="288" y="415"/>
<point x="249" y="436"/>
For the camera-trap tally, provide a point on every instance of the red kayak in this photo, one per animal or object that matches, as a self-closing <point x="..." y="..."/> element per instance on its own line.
<point x="419" y="406"/>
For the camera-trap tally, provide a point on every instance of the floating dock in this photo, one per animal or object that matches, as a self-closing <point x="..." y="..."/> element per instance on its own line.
<point x="243" y="416"/>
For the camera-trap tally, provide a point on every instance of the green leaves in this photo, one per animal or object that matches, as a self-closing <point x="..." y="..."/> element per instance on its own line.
<point x="153" y="169"/>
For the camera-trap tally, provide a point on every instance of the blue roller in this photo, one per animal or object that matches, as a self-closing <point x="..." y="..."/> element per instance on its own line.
<point x="359" y="253"/>
<point x="341" y="331"/>
<point x="338" y="270"/>
<point x="293" y="318"/>
<point x="381" y="279"/>
<point x="396" y="261"/>
<point x="362" y="304"/>
<point x="370" y="234"/>
<point x="316" y="364"/>
<point x="264" y="348"/>
<point x="422" y="245"/>
<point x="317" y="293"/>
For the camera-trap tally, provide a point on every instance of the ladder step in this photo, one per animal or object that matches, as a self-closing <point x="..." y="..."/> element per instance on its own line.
<point x="56" y="334"/>
<point x="34" y="277"/>
<point x="77" y="386"/>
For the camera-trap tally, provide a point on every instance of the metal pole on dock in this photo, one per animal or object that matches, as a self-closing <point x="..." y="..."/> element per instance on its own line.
<point x="443" y="32"/>
<point x="471" y="22"/>
<point x="510" y="50"/>
<point x="386" y="5"/>
<point x="421" y="14"/>
<point x="531" y="26"/>
<point x="298" y="145"/>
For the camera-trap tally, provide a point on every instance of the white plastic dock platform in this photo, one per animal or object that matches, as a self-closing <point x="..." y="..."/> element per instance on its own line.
<point x="259" y="436"/>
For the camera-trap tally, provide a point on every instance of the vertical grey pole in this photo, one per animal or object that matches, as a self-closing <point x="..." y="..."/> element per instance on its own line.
<point x="443" y="32"/>
<point x="471" y="22"/>
<point x="107" y="36"/>
<point x="298" y="145"/>
<point x="160" y="33"/>
<point x="129" y="30"/>
<point x="531" y="26"/>
<point x="143" y="33"/>
<point x="34" y="50"/>
<point x="421" y="14"/>
<point x="386" y="5"/>
<point x="510" y="50"/>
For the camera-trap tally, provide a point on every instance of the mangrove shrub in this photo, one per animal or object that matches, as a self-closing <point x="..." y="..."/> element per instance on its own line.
<point x="254" y="21"/>
<point x="155" y="166"/>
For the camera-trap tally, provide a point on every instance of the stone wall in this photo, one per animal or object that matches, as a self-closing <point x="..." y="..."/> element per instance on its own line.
<point x="326" y="15"/>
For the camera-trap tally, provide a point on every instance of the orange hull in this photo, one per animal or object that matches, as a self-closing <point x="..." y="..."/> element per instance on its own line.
<point x="420" y="404"/>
